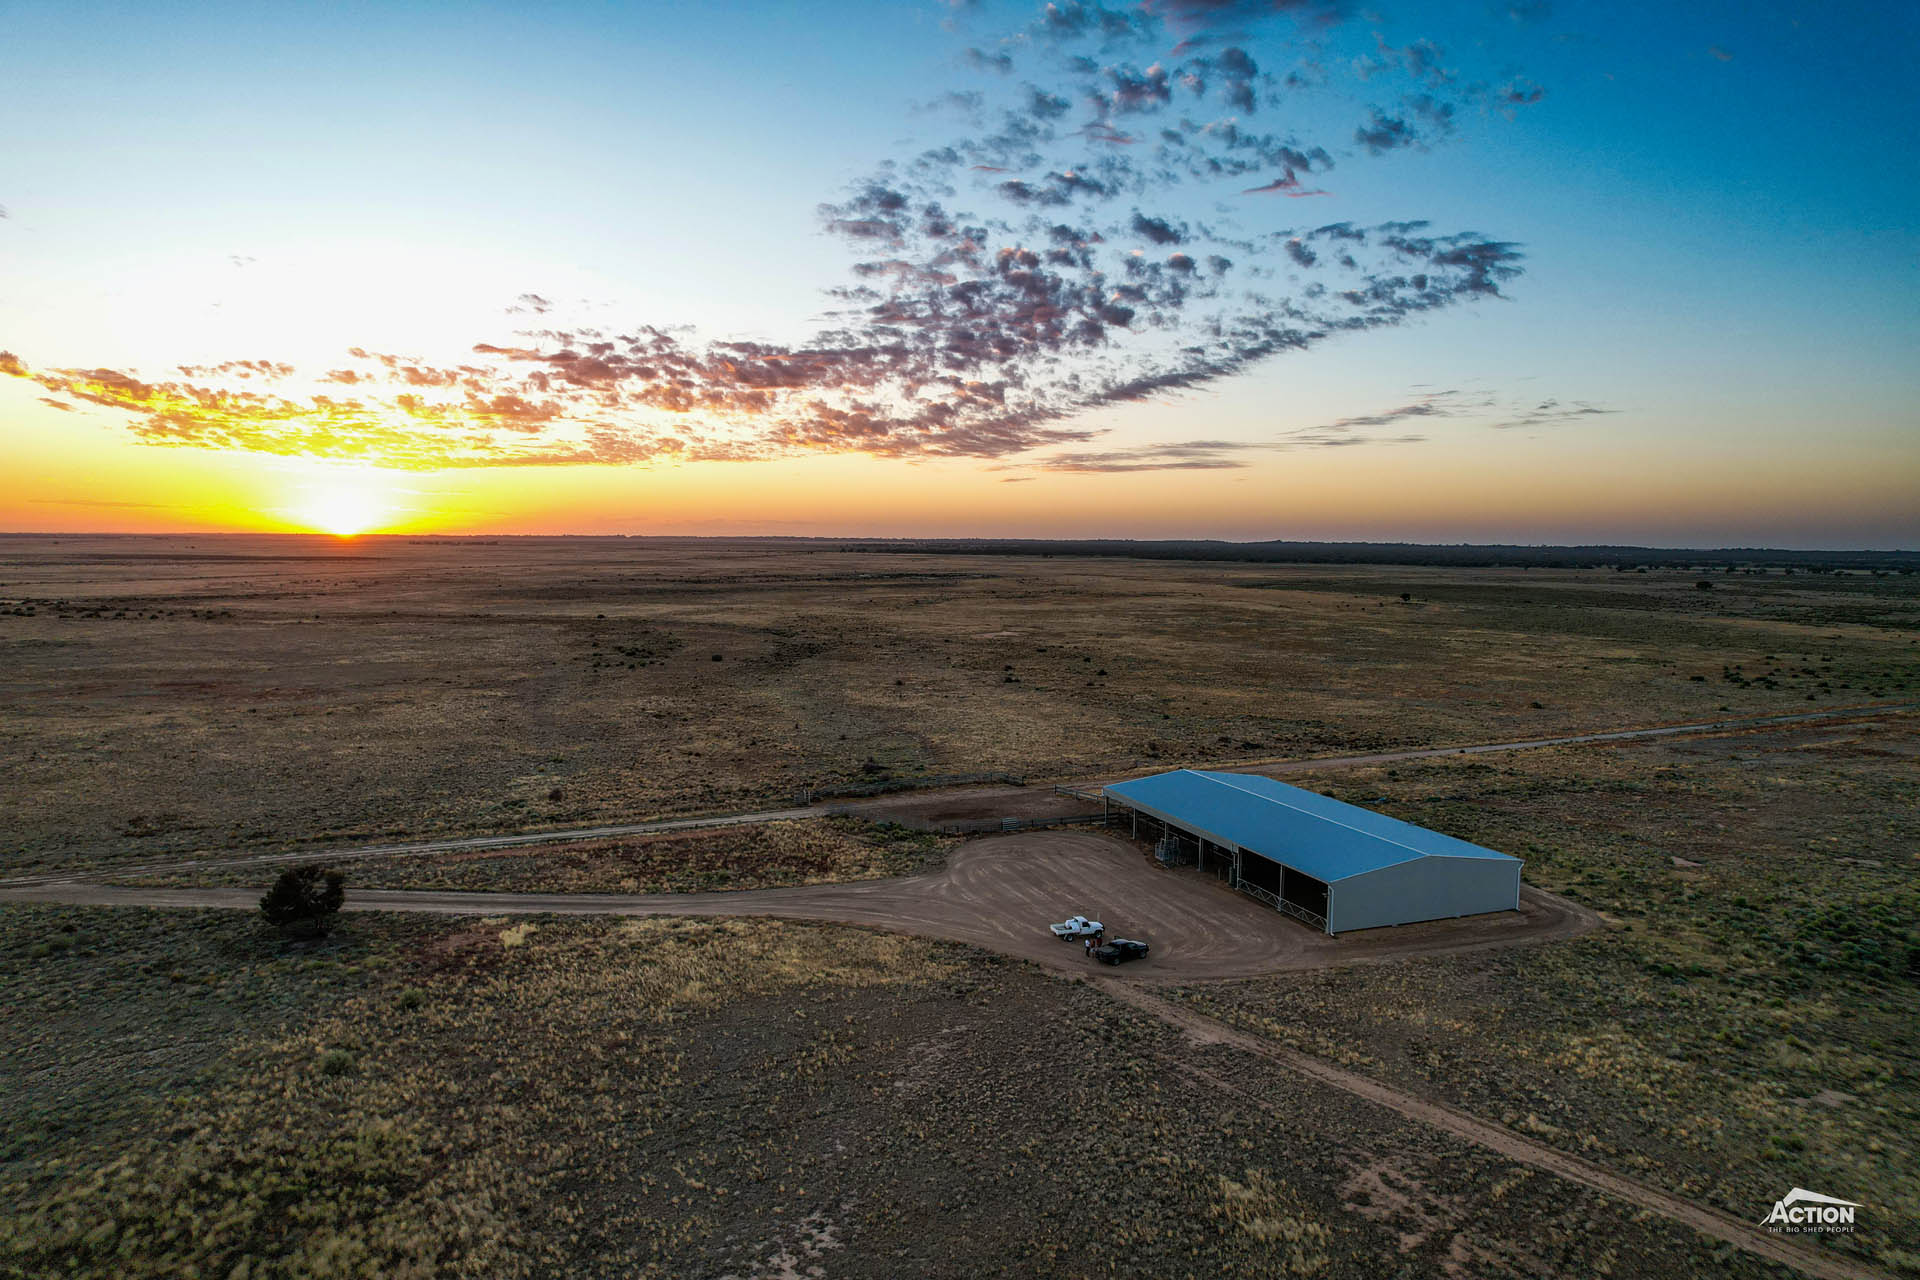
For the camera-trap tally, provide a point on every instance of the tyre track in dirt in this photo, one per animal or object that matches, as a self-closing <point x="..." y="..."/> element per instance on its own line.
<point x="1201" y="1029"/>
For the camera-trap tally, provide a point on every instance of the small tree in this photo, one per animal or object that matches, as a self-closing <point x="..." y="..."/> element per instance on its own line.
<point x="307" y="896"/>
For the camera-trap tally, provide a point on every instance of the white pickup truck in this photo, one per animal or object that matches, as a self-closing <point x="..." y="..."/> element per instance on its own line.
<point x="1076" y="927"/>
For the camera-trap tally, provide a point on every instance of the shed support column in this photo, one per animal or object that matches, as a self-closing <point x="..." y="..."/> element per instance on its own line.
<point x="1233" y="881"/>
<point x="1136" y="822"/>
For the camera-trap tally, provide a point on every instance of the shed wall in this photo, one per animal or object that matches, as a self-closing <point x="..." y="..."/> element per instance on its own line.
<point x="1430" y="888"/>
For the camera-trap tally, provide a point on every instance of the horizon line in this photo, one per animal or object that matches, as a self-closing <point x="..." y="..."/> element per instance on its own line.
<point x="990" y="539"/>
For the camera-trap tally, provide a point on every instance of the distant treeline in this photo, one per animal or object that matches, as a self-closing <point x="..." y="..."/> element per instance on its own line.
<point x="1599" y="557"/>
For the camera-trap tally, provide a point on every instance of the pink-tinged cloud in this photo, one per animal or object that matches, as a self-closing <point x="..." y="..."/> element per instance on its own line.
<point x="1005" y="283"/>
<point x="1288" y="186"/>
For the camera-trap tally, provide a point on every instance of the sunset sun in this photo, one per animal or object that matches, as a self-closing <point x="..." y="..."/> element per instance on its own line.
<point x="343" y="506"/>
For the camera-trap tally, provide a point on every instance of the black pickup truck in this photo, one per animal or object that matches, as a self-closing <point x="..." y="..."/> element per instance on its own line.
<point x="1119" y="951"/>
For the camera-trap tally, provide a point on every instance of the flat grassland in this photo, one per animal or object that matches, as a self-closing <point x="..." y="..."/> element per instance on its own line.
<point x="166" y="695"/>
<point x="422" y="1097"/>
<point x="427" y="1096"/>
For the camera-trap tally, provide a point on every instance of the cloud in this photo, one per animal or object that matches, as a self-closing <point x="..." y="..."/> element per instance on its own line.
<point x="1385" y="133"/>
<point x="1286" y="186"/>
<point x="1494" y="411"/>
<point x="1044" y="262"/>
<point x="980" y="60"/>
<point x="1150" y="458"/>
<point x="240" y="369"/>
<point x="1719" y="53"/>
<point x="1349" y="432"/>
<point x="1552" y="413"/>
<point x="1434" y="404"/>
<point x="1195" y="18"/>
<point x="1519" y="92"/>
<point x="1159" y="231"/>
<point x="963" y="101"/>
<point x="1203" y="455"/>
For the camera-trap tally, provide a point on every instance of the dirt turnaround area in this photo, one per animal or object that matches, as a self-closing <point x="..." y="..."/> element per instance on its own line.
<point x="999" y="893"/>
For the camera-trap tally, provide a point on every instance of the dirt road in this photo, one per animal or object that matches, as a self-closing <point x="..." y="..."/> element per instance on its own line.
<point x="1514" y="1146"/>
<point x="958" y="808"/>
<point x="999" y="893"/>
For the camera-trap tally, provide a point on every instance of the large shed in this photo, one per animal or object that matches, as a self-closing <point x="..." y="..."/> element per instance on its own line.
<point x="1333" y="865"/>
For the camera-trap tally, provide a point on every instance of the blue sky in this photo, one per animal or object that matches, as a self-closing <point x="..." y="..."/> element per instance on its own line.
<point x="1706" y="267"/>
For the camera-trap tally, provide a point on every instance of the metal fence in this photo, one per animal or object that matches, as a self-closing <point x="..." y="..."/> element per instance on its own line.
<point x="1028" y="824"/>
<point x="1262" y="895"/>
<point x="1285" y="908"/>
<point x="1313" y="918"/>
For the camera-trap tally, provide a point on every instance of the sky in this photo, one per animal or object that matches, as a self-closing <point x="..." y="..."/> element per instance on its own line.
<point x="1523" y="271"/>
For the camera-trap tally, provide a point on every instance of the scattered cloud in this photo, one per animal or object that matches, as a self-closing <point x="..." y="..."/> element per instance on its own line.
<point x="1476" y="407"/>
<point x="1286" y="185"/>
<point x="1553" y="413"/>
<point x="981" y="60"/>
<point x="1385" y="133"/>
<point x="1518" y="92"/>
<point x="1045" y="262"/>
<point x="1432" y="404"/>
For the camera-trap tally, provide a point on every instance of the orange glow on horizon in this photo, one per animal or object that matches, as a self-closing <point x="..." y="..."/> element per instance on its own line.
<point x="80" y="472"/>
<point x="342" y="505"/>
